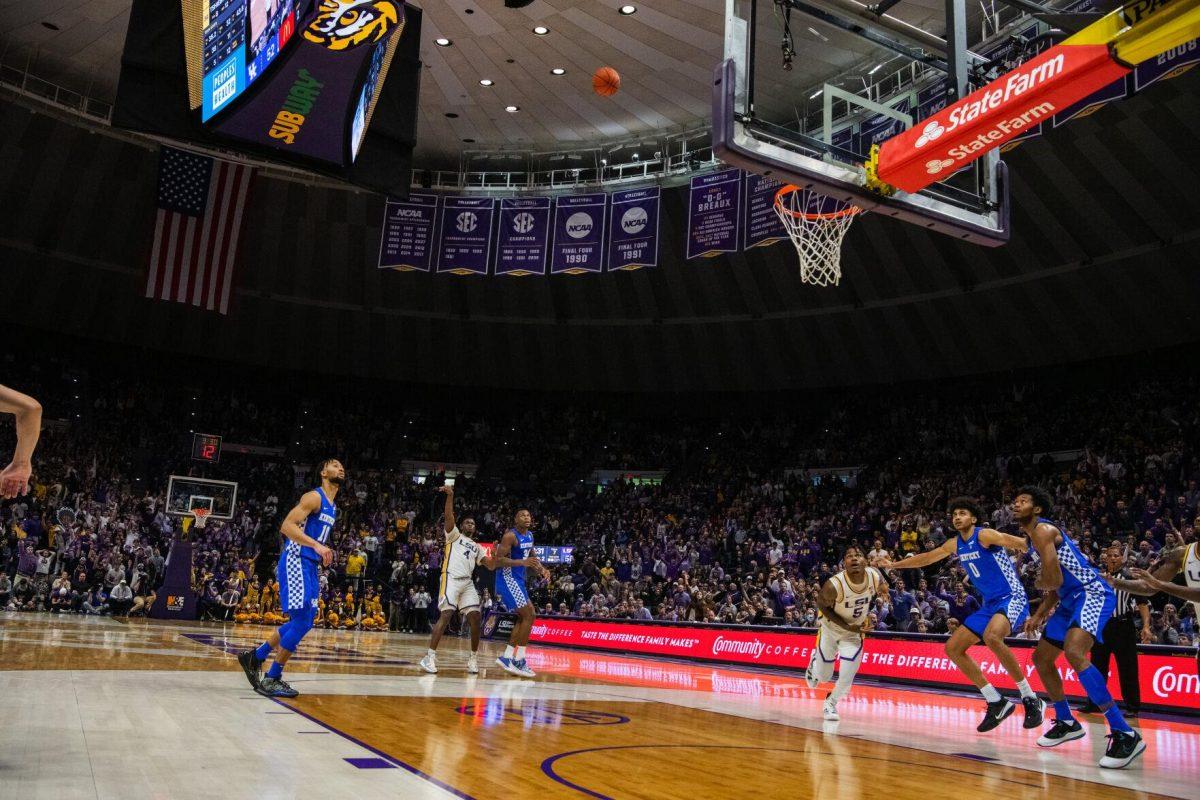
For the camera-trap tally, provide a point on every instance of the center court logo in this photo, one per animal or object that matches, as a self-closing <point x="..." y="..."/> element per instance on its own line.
<point x="579" y="225"/>
<point x="466" y="222"/>
<point x="634" y="220"/>
<point x="523" y="222"/>
<point x="1168" y="682"/>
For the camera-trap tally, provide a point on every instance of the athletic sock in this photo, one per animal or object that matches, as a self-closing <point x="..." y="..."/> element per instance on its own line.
<point x="989" y="693"/>
<point x="508" y="652"/>
<point x="1094" y="684"/>
<point x="1025" y="690"/>
<point x="431" y="652"/>
<point x="1062" y="711"/>
<point x="520" y="653"/>
<point x="263" y="651"/>
<point x="276" y="671"/>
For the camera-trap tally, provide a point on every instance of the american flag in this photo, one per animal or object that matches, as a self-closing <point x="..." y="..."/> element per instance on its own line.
<point x="200" y="205"/>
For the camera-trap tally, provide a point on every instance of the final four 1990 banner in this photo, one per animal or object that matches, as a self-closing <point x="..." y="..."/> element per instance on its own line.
<point x="578" y="234"/>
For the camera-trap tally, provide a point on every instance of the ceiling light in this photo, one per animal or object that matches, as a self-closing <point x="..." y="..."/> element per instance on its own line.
<point x="627" y="10"/>
<point x="635" y="156"/>
<point x="486" y="82"/>
<point x="541" y="30"/>
<point x="442" y="42"/>
<point x="558" y="71"/>
<point x="512" y="109"/>
<point x="815" y="94"/>
<point x="874" y="69"/>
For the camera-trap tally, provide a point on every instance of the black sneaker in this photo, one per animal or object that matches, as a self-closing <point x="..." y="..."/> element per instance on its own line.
<point x="1062" y="731"/>
<point x="1035" y="708"/>
<point x="252" y="666"/>
<point x="1123" y="748"/>
<point x="275" y="687"/>
<point x="997" y="712"/>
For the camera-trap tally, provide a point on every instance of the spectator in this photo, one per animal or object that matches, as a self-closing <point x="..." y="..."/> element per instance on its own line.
<point x="121" y="599"/>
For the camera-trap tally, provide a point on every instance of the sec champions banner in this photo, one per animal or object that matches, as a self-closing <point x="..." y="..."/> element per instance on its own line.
<point x="524" y="231"/>
<point x="466" y="235"/>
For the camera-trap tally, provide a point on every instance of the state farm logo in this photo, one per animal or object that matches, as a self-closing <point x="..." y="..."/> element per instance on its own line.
<point x="466" y="222"/>
<point x="579" y="225"/>
<point x="933" y="130"/>
<point x="523" y="222"/>
<point x="937" y="165"/>
<point x="1168" y="682"/>
<point x="634" y="220"/>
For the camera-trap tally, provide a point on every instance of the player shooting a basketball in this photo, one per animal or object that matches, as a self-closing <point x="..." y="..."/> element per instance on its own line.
<point x="457" y="589"/>
<point x="14" y="479"/>
<point x="983" y="553"/>
<point x="307" y="528"/>
<point x="513" y="554"/>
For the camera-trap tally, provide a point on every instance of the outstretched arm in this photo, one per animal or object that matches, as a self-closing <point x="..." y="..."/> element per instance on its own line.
<point x="1189" y="593"/>
<point x="922" y="559"/>
<point x="292" y="526"/>
<point x="448" y="525"/>
<point x="14" y="479"/>
<point x="990" y="536"/>
<point x="1163" y="572"/>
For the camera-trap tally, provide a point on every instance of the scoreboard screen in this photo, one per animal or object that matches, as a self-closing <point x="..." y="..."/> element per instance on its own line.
<point x="206" y="447"/>
<point x="241" y="38"/>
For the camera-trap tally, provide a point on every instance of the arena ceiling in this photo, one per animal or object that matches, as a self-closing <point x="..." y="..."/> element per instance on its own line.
<point x="665" y="53"/>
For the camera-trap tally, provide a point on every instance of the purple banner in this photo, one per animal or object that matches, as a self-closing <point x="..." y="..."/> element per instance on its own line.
<point x="407" y="240"/>
<point x="762" y="224"/>
<point x="466" y="235"/>
<point x="714" y="207"/>
<point x="578" y="234"/>
<point x="1170" y="64"/>
<point x="633" y="229"/>
<point x="524" y="229"/>
<point x="1117" y="90"/>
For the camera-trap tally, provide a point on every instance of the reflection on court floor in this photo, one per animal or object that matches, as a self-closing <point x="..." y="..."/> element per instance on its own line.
<point x="101" y="708"/>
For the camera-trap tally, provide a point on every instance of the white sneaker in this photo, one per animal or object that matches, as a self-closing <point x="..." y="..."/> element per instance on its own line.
<point x="473" y="664"/>
<point x="429" y="663"/>
<point x="523" y="669"/>
<point x="829" y="712"/>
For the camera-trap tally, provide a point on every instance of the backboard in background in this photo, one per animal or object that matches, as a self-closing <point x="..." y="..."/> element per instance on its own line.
<point x="811" y="115"/>
<point x="185" y="493"/>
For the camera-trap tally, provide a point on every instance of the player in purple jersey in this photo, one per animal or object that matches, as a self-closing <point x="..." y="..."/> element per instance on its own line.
<point x="1076" y="605"/>
<point x="307" y="528"/>
<point x="983" y="555"/>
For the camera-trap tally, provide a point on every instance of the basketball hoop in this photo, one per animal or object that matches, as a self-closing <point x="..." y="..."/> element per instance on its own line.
<point x="816" y="224"/>
<point x="201" y="515"/>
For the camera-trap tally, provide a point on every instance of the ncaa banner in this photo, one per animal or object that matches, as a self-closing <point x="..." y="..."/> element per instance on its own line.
<point x="465" y="242"/>
<point x="633" y="229"/>
<point x="407" y="240"/>
<point x="1170" y="64"/>
<point x="762" y="224"/>
<point x="578" y="245"/>
<point x="714" y="206"/>
<point x="524" y="231"/>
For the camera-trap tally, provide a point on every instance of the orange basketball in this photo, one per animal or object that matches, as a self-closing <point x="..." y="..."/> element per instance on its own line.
<point x="606" y="82"/>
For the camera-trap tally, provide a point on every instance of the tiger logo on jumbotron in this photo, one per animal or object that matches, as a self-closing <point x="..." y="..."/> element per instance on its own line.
<point x="346" y="24"/>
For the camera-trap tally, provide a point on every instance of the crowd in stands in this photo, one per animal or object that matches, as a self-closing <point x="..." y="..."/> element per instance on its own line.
<point x="752" y="513"/>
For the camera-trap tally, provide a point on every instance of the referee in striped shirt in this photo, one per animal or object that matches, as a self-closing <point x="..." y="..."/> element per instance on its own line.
<point x="1121" y="636"/>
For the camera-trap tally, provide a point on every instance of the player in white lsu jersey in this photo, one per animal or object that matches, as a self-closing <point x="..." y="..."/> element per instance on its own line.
<point x="1160" y="578"/>
<point x="845" y="605"/>
<point x="456" y="591"/>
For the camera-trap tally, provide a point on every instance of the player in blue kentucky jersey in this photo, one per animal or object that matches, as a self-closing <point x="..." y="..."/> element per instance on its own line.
<point x="983" y="556"/>
<point x="513" y="554"/>
<point x="307" y="528"/>
<point x="1076" y="605"/>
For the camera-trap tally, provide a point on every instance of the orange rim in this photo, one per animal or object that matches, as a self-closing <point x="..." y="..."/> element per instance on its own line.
<point x="848" y="211"/>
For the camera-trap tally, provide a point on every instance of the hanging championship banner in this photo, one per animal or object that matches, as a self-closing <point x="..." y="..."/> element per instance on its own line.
<point x="714" y="206"/>
<point x="524" y="230"/>
<point x="633" y="229"/>
<point x="1117" y="90"/>
<point x="466" y="235"/>
<point x="762" y="224"/>
<point x="1170" y="64"/>
<point x="578" y="234"/>
<point x="407" y="240"/>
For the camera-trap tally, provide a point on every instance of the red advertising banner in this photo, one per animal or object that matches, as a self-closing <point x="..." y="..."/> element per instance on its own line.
<point x="987" y="118"/>
<point x="1167" y="680"/>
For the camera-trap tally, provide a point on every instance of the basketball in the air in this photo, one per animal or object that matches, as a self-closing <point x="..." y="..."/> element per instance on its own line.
<point x="606" y="82"/>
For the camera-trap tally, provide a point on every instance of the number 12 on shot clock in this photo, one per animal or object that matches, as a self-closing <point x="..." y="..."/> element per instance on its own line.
<point x="206" y="447"/>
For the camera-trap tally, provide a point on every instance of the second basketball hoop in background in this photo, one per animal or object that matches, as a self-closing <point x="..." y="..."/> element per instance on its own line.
<point x="606" y="81"/>
<point x="816" y="224"/>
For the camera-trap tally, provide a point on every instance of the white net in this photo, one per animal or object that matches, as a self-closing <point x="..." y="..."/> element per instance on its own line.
<point x="816" y="223"/>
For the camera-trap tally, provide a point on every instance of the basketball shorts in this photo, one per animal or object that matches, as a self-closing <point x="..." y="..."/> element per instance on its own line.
<point x="458" y="594"/>
<point x="299" y="583"/>
<point x="1013" y="606"/>
<point x="1089" y="607"/>
<point x="511" y="591"/>
<point x="833" y="644"/>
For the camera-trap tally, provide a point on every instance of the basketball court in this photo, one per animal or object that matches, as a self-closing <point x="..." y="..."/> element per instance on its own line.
<point x="102" y="708"/>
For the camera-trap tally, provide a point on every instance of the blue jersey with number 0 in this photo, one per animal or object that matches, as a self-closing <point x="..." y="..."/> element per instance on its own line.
<point x="990" y="569"/>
